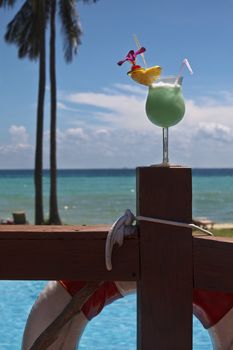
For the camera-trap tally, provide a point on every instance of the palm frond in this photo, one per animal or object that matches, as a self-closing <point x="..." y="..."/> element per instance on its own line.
<point x="23" y="31"/>
<point x="71" y="28"/>
<point x="5" y="3"/>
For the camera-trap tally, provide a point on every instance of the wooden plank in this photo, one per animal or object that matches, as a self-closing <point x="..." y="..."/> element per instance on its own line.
<point x="165" y="287"/>
<point x="52" y="231"/>
<point x="62" y="252"/>
<point x="213" y="263"/>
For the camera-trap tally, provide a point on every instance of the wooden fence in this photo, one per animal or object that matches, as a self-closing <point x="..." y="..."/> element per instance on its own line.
<point x="166" y="261"/>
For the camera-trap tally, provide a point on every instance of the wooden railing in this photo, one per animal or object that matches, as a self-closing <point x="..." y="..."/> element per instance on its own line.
<point x="63" y="252"/>
<point x="167" y="262"/>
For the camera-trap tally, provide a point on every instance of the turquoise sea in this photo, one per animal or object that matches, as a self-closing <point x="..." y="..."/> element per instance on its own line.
<point x="88" y="197"/>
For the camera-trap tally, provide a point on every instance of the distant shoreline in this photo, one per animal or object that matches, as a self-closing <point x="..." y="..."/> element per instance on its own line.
<point x="222" y="226"/>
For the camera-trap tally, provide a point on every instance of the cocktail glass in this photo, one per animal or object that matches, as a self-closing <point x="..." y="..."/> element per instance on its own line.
<point x="165" y="107"/>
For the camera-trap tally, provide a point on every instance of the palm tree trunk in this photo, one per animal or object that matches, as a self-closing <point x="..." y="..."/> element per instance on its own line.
<point x="53" y="209"/>
<point x="38" y="171"/>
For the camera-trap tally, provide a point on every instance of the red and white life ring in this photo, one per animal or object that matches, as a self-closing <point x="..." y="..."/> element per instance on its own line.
<point x="213" y="309"/>
<point x="53" y="299"/>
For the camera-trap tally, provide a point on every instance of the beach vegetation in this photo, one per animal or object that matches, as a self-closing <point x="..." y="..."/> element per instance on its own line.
<point x="217" y="232"/>
<point x="225" y="232"/>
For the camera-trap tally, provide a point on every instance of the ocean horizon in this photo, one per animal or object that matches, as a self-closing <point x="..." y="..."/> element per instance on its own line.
<point x="89" y="196"/>
<point x="113" y="168"/>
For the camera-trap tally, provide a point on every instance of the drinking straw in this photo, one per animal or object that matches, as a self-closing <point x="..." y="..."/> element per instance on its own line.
<point x="184" y="63"/>
<point x="139" y="46"/>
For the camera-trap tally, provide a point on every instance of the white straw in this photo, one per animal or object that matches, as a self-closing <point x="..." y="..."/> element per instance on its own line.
<point x="183" y="64"/>
<point x="139" y="46"/>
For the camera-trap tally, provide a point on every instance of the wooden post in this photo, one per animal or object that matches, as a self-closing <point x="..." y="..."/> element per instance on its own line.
<point x="166" y="283"/>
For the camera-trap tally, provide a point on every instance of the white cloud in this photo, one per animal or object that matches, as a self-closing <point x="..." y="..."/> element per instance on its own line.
<point x="64" y="107"/>
<point x="210" y="112"/>
<point x="18" y="152"/>
<point x="76" y="133"/>
<point x="215" y="131"/>
<point x="115" y="123"/>
<point x="133" y="89"/>
<point x="18" y="141"/>
<point x="72" y="135"/>
<point x="113" y="131"/>
<point x="126" y="109"/>
<point x="110" y="148"/>
<point x="109" y="101"/>
<point x="18" y="134"/>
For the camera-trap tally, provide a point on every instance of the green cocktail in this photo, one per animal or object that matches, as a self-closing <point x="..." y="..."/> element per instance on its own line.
<point x="165" y="104"/>
<point x="165" y="107"/>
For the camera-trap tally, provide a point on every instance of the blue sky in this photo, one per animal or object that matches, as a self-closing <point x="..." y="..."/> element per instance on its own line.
<point x="101" y="111"/>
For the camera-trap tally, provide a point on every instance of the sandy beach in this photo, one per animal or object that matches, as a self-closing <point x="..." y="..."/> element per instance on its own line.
<point x="222" y="226"/>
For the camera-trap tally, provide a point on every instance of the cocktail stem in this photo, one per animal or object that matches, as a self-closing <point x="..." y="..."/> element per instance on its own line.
<point x="165" y="146"/>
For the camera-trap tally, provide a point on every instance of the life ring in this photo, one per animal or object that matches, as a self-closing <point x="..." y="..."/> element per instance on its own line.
<point x="213" y="309"/>
<point x="53" y="299"/>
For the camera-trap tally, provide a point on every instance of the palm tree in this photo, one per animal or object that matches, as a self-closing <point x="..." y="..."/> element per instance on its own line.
<point x="72" y="32"/>
<point x="54" y="217"/>
<point x="38" y="174"/>
<point x="27" y="31"/>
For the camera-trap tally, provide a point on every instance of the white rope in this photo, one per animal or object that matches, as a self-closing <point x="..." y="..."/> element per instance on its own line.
<point x="124" y="227"/>
<point x="174" y="223"/>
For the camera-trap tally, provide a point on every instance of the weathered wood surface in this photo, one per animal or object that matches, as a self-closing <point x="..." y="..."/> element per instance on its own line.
<point x="213" y="263"/>
<point x="165" y="287"/>
<point x="64" y="252"/>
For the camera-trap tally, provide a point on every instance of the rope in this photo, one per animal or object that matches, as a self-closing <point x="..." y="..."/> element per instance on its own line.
<point x="174" y="223"/>
<point x="123" y="227"/>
